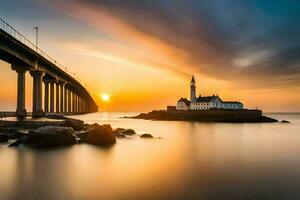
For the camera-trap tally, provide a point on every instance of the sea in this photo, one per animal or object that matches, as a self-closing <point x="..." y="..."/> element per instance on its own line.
<point x="185" y="160"/>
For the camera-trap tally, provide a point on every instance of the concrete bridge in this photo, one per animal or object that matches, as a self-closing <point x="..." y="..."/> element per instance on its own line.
<point x="62" y="93"/>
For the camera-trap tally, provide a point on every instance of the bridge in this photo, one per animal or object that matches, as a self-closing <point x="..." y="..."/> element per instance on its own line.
<point x="62" y="93"/>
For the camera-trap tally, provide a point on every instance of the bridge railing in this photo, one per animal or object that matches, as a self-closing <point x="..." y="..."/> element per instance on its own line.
<point x="4" y="115"/>
<point x="17" y="35"/>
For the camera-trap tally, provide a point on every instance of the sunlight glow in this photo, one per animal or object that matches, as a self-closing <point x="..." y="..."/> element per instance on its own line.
<point x="105" y="97"/>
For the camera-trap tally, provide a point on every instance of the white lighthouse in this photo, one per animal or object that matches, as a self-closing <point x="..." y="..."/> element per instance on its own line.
<point x="205" y="102"/>
<point x="193" y="97"/>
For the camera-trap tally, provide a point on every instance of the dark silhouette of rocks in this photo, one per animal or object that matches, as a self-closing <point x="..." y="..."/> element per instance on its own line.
<point x="82" y="135"/>
<point x="60" y="131"/>
<point x="100" y="135"/>
<point x="50" y="136"/>
<point x="18" y="142"/>
<point x="119" y="129"/>
<point x="122" y="132"/>
<point x="17" y="135"/>
<point x="128" y="132"/>
<point x="146" y="135"/>
<point x="76" y="124"/>
<point x="285" y="121"/>
<point x="119" y="135"/>
<point x="3" y="138"/>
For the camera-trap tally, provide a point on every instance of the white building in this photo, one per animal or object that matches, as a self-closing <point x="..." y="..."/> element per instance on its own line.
<point x="183" y="104"/>
<point x="205" y="103"/>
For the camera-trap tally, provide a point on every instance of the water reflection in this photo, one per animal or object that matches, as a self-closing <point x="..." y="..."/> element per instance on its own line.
<point x="191" y="161"/>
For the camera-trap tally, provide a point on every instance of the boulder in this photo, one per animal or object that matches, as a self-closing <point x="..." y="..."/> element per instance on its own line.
<point x="76" y="124"/>
<point x="118" y="132"/>
<point x="128" y="132"/>
<point x="50" y="136"/>
<point x="146" y="135"/>
<point x="3" y="138"/>
<point x="119" y="135"/>
<point x="82" y="135"/>
<point x="16" y="135"/>
<point x="266" y="119"/>
<point x="9" y="129"/>
<point x="18" y="142"/>
<point x="100" y="135"/>
<point x="92" y="126"/>
<point x="285" y="121"/>
<point x="119" y="129"/>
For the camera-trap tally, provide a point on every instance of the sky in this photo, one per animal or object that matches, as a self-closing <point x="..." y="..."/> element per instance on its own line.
<point x="143" y="52"/>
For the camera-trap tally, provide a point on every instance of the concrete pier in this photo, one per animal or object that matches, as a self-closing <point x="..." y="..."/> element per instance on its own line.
<point x="21" y="111"/>
<point x="46" y="97"/>
<point x="37" y="93"/>
<point x="57" y="97"/>
<point x="69" y="101"/>
<point x="61" y="94"/>
<point x="52" y="82"/>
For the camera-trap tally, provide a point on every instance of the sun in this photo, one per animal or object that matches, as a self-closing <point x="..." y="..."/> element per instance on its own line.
<point x="105" y="97"/>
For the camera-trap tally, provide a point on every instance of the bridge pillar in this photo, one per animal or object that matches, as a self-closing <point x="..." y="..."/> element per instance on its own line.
<point x="61" y="88"/>
<point x="76" y="103"/>
<point x="73" y="101"/>
<point x="69" y="101"/>
<point x="37" y="93"/>
<point x="65" y="99"/>
<point x="52" y="96"/>
<point x="61" y="85"/>
<point x="57" y="95"/>
<point x="21" y="111"/>
<point x="46" y="98"/>
<point x="83" y="106"/>
<point x="79" y="104"/>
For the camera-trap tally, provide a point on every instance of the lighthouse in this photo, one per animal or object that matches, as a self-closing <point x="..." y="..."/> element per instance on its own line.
<point x="193" y="97"/>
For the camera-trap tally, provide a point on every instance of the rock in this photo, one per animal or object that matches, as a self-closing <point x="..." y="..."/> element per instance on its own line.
<point x="119" y="135"/>
<point x="146" y="135"/>
<point x="18" y="142"/>
<point x="100" y="135"/>
<point x="9" y="129"/>
<point x="119" y="129"/>
<point x="16" y="135"/>
<point x="267" y="119"/>
<point x="3" y="138"/>
<point x="118" y="132"/>
<point x="50" y="136"/>
<point x="76" y="124"/>
<point x="128" y="132"/>
<point x="82" y="135"/>
<point x="285" y="121"/>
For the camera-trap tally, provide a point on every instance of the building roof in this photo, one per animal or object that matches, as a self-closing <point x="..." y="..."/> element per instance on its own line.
<point x="207" y="98"/>
<point x="187" y="102"/>
<point x="231" y="102"/>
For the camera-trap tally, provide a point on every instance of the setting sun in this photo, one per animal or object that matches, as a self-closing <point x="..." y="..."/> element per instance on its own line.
<point x="105" y="97"/>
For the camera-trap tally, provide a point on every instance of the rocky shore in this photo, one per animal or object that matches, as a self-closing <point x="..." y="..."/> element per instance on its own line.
<point x="227" y="116"/>
<point x="60" y="132"/>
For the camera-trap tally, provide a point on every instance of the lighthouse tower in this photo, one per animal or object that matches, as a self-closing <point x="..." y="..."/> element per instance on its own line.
<point x="193" y="97"/>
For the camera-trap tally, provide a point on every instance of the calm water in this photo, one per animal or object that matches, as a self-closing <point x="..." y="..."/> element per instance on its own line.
<point x="191" y="161"/>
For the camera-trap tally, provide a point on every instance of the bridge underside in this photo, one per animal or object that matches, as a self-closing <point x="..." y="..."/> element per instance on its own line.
<point x="62" y="93"/>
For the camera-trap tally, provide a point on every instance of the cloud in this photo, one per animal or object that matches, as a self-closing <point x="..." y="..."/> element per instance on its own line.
<point x="244" y="41"/>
